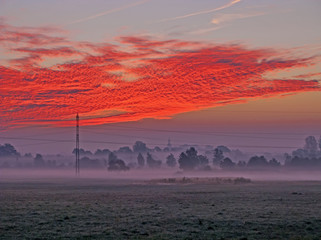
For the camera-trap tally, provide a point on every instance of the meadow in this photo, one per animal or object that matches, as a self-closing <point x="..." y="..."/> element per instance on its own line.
<point x="96" y="208"/>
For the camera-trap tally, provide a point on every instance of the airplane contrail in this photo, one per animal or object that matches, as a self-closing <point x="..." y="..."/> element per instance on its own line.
<point x="202" y="12"/>
<point x="108" y="12"/>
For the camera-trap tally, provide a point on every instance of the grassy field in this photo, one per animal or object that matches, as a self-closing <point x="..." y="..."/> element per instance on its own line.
<point x="125" y="209"/>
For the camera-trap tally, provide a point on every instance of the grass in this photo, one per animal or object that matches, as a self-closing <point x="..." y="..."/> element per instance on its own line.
<point x="111" y="209"/>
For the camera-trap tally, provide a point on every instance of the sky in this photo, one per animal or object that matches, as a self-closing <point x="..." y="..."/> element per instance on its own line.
<point x="240" y="73"/>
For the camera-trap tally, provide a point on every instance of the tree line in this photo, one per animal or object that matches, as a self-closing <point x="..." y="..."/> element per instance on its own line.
<point x="307" y="157"/>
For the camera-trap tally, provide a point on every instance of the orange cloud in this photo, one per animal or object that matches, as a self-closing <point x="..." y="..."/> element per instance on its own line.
<point x="170" y="77"/>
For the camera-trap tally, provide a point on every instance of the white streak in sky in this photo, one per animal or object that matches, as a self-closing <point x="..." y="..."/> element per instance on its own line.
<point x="201" y="12"/>
<point x="204" y="30"/>
<point x="108" y="12"/>
<point x="234" y="16"/>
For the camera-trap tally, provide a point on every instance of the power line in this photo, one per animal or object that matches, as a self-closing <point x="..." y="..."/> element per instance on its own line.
<point x="198" y="132"/>
<point x="216" y="134"/>
<point x="41" y="143"/>
<point x="49" y="141"/>
<point x="36" y="139"/>
<point x="56" y="132"/>
<point x="121" y="135"/>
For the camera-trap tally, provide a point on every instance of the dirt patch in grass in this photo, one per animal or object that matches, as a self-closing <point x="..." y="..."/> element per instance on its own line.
<point x="199" y="180"/>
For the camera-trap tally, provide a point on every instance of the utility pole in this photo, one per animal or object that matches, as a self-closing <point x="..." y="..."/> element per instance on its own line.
<point x="77" y="144"/>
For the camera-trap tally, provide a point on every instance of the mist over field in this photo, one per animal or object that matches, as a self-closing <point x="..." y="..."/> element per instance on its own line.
<point x="140" y="162"/>
<point x="145" y="175"/>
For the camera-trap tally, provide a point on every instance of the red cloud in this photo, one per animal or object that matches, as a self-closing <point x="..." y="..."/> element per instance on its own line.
<point x="149" y="79"/>
<point x="53" y="52"/>
<point x="29" y="35"/>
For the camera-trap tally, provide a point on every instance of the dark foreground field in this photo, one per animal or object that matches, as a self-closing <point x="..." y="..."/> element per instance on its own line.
<point x="113" y="209"/>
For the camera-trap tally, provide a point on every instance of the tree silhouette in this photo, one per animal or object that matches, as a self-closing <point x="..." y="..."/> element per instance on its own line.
<point x="151" y="162"/>
<point x="241" y="164"/>
<point x="38" y="161"/>
<point x="227" y="163"/>
<point x="203" y="160"/>
<point x="112" y="157"/>
<point x="7" y="150"/>
<point x="218" y="156"/>
<point x="115" y="164"/>
<point x="124" y="150"/>
<point x="301" y="153"/>
<point x="140" y="147"/>
<point x="140" y="160"/>
<point x="287" y="158"/>
<point x="157" y="149"/>
<point x="311" y="146"/>
<point x="304" y="162"/>
<point x="104" y="152"/>
<point x="224" y="149"/>
<point x="257" y="162"/>
<point x="274" y="163"/>
<point x="189" y="159"/>
<point x="83" y="152"/>
<point x="171" y="160"/>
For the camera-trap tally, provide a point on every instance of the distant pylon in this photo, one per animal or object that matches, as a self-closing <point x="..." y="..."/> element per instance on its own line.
<point x="77" y="145"/>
